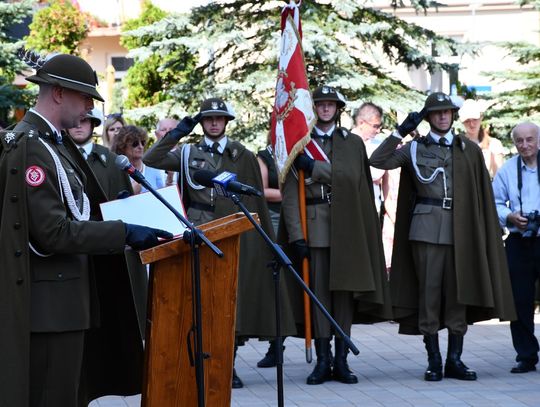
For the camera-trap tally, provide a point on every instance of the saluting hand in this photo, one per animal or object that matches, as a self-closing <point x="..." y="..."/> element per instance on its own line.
<point x="186" y="126"/>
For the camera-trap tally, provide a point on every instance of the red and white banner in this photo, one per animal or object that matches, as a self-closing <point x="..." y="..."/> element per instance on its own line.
<point x="293" y="116"/>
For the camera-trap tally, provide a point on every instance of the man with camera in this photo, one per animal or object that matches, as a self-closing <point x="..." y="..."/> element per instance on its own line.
<point x="517" y="195"/>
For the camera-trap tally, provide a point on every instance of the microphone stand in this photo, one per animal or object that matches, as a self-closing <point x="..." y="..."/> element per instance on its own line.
<point x="281" y="260"/>
<point x="195" y="237"/>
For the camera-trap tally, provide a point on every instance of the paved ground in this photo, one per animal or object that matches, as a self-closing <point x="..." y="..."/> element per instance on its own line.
<point x="390" y="369"/>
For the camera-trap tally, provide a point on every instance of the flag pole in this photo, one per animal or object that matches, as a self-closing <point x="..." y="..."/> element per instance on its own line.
<point x="305" y="266"/>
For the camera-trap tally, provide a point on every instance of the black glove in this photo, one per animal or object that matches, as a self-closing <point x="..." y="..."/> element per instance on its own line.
<point x="185" y="126"/>
<point x="142" y="237"/>
<point x="303" y="162"/>
<point x="300" y="249"/>
<point x="410" y="123"/>
<point x="123" y="194"/>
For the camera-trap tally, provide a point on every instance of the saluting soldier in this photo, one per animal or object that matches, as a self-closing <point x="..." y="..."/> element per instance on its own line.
<point x="217" y="152"/>
<point x="344" y="246"/>
<point x="448" y="263"/>
<point x="49" y="294"/>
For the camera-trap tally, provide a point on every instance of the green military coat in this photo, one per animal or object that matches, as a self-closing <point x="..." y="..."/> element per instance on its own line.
<point x="255" y="316"/>
<point x="58" y="292"/>
<point x="483" y="282"/>
<point x="356" y="252"/>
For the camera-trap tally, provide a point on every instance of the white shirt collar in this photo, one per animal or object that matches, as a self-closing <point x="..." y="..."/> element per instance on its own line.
<point x="87" y="148"/>
<point x="449" y="137"/>
<point x="322" y="133"/>
<point x="54" y="129"/>
<point x="222" y="143"/>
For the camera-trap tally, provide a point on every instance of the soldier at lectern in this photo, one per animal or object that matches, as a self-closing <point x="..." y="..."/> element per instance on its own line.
<point x="217" y="152"/>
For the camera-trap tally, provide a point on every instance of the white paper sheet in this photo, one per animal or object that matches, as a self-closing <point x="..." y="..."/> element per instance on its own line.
<point x="145" y="209"/>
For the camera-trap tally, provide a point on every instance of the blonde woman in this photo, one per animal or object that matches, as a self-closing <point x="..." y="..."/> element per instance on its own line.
<point x="471" y="114"/>
<point x="112" y="126"/>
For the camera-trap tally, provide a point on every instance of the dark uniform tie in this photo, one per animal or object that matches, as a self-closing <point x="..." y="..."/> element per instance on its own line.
<point x="83" y="152"/>
<point x="215" y="148"/>
<point x="443" y="141"/>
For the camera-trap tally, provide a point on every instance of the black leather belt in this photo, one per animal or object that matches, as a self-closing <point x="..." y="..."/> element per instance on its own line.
<point x="202" y="206"/>
<point x="318" y="200"/>
<point x="445" y="203"/>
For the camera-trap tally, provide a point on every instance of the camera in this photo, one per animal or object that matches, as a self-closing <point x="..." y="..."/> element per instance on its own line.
<point x="533" y="224"/>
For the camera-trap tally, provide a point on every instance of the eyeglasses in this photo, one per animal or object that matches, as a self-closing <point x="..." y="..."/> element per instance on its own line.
<point x="376" y="126"/>
<point x="136" y="143"/>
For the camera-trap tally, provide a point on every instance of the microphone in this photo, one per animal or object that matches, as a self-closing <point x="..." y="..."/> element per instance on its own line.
<point x="224" y="183"/>
<point x="124" y="164"/>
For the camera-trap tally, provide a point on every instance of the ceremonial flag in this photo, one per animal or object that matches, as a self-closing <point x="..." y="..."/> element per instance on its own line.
<point x="293" y="116"/>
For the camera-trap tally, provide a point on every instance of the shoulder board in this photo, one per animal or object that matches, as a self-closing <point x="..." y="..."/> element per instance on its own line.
<point x="10" y="137"/>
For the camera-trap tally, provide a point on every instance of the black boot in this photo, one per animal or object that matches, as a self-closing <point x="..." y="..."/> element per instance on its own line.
<point x="341" y="371"/>
<point x="454" y="367"/>
<point x="236" y="381"/>
<point x="434" y="370"/>
<point x="270" y="359"/>
<point x="323" y="369"/>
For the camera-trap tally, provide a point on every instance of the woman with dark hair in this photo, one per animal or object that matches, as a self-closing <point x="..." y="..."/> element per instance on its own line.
<point x="111" y="127"/>
<point x="130" y="141"/>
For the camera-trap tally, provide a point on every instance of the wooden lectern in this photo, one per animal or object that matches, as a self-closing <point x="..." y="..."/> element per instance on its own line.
<point x="169" y="376"/>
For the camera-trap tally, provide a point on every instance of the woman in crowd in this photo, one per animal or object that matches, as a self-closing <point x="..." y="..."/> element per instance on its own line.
<point x="112" y="126"/>
<point x="471" y="114"/>
<point x="130" y="141"/>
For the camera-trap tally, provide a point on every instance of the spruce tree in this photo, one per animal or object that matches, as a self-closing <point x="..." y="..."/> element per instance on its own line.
<point x="234" y="46"/>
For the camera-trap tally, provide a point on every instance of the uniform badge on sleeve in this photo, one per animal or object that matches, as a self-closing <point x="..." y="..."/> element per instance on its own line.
<point x="34" y="176"/>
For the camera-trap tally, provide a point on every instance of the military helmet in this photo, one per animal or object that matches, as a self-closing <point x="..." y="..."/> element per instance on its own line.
<point x="216" y="107"/>
<point x="328" y="93"/>
<point x="67" y="71"/>
<point x="96" y="116"/>
<point x="439" y="101"/>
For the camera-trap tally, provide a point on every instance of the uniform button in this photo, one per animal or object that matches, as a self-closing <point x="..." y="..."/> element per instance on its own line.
<point x="14" y="171"/>
<point x="14" y="198"/>
<point x="18" y="253"/>
<point x="20" y="281"/>
<point x="60" y="275"/>
<point x="17" y="225"/>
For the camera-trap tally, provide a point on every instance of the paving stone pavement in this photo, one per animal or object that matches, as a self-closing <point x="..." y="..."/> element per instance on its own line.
<point x="390" y="370"/>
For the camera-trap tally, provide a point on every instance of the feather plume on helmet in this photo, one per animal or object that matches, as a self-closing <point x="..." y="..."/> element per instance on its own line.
<point x="67" y="71"/>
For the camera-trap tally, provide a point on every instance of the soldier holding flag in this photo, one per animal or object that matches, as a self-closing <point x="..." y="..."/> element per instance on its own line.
<point x="343" y="245"/>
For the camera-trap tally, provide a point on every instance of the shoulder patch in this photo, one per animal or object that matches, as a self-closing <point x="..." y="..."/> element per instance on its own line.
<point x="35" y="176"/>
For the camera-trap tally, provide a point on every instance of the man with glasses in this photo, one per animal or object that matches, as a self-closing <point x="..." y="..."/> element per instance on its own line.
<point x="517" y="196"/>
<point x="368" y="124"/>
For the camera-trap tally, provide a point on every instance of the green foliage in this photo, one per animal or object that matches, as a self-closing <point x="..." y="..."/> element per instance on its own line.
<point x="522" y="103"/>
<point x="58" y="28"/>
<point x="234" y="45"/>
<point x="149" y="15"/>
<point x="11" y="96"/>
<point x="152" y="72"/>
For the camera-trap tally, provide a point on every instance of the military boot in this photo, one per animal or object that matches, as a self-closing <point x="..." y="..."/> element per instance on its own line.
<point x="434" y="370"/>
<point x="323" y="369"/>
<point x="236" y="381"/>
<point x="454" y="367"/>
<point x="270" y="359"/>
<point x="341" y="371"/>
